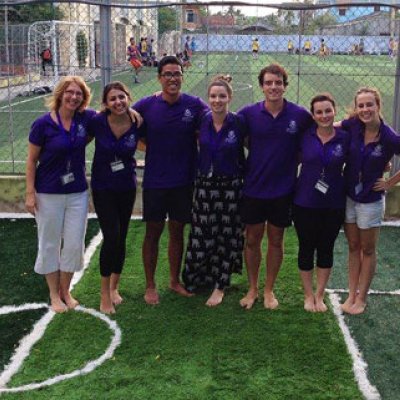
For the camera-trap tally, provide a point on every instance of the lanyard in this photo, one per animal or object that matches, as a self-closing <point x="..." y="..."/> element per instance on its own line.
<point x="325" y="156"/>
<point x="71" y="135"/>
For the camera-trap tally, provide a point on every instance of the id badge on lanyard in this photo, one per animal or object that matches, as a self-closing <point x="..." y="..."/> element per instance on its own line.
<point x="321" y="184"/>
<point x="117" y="165"/>
<point x="68" y="177"/>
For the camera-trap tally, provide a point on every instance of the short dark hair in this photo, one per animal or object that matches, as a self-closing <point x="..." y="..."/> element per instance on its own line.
<point x="168" y="60"/>
<point x="274" y="69"/>
<point x="322" y="97"/>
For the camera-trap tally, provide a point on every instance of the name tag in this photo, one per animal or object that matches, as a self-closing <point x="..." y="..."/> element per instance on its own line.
<point x="321" y="186"/>
<point x="358" y="189"/>
<point x="117" y="166"/>
<point x="67" y="178"/>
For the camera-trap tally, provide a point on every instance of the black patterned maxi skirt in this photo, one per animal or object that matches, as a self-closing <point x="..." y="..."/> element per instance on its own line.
<point x="215" y="245"/>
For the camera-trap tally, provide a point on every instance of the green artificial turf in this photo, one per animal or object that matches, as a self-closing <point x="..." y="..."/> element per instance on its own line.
<point x="182" y="349"/>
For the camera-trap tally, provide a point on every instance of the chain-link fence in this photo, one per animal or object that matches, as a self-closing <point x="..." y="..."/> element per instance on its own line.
<point x="325" y="47"/>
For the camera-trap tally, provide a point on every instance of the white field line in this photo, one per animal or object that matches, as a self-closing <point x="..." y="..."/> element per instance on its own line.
<point x="27" y="342"/>
<point x="6" y="215"/>
<point x="89" y="367"/>
<point x="376" y="292"/>
<point x="359" y="365"/>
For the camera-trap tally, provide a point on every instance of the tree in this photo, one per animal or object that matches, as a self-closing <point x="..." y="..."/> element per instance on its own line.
<point x="28" y="13"/>
<point x="167" y="17"/>
<point x="82" y="47"/>
<point x="319" y="22"/>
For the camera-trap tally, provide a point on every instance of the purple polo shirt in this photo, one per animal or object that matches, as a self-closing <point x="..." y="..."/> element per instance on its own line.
<point x="221" y="153"/>
<point x="367" y="163"/>
<point x="322" y="162"/>
<point x="273" y="143"/>
<point x="58" y="150"/>
<point x="108" y="150"/>
<point x="171" y="149"/>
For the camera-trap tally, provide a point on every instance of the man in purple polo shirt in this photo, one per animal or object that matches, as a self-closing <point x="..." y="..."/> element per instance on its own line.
<point x="274" y="126"/>
<point x="170" y="124"/>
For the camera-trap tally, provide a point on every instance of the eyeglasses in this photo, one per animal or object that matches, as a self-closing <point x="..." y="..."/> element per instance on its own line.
<point x="170" y="75"/>
<point x="72" y="92"/>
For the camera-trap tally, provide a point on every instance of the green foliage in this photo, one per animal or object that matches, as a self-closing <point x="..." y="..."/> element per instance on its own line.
<point x="82" y="48"/>
<point x="319" y="22"/>
<point x="28" y="13"/>
<point x="167" y="19"/>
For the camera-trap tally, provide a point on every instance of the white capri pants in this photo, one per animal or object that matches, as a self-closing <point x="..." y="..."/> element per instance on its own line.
<point x="61" y="221"/>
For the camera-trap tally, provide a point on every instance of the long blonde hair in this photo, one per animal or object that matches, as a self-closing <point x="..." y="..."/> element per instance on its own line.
<point x="53" y="103"/>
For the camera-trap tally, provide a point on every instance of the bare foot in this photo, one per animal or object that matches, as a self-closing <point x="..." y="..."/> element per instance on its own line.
<point x="357" y="308"/>
<point x="179" y="289"/>
<point x="58" y="306"/>
<point x="107" y="308"/>
<point x="320" y="306"/>
<point x="70" y="301"/>
<point x="248" y="301"/>
<point x="347" y="305"/>
<point x="116" y="297"/>
<point x="151" y="296"/>
<point x="270" y="301"/>
<point x="215" y="298"/>
<point x="309" y="304"/>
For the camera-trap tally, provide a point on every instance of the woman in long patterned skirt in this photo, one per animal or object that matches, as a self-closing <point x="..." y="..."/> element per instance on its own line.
<point x="215" y="244"/>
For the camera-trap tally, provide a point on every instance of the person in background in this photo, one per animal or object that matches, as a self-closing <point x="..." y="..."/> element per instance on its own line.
<point x="290" y="47"/>
<point x="255" y="48"/>
<point x="274" y="128"/>
<point x="113" y="185"/>
<point x="193" y="46"/>
<point x="215" y="245"/>
<point x="47" y="59"/>
<point x="171" y="120"/>
<point x="134" y="57"/>
<point x="307" y="46"/>
<point x="56" y="187"/>
<point x="320" y="198"/>
<point x="373" y="144"/>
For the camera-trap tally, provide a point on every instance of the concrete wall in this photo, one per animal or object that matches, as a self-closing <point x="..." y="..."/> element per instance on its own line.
<point x="12" y="195"/>
<point x="12" y="192"/>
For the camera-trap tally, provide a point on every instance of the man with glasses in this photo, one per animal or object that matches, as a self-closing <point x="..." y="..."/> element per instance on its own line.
<point x="274" y="126"/>
<point x="170" y="122"/>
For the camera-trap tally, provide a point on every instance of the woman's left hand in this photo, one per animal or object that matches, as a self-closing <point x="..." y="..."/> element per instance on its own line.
<point x="136" y="117"/>
<point x="380" y="185"/>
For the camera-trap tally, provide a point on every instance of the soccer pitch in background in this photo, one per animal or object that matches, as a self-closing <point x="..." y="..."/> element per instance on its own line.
<point x="341" y="75"/>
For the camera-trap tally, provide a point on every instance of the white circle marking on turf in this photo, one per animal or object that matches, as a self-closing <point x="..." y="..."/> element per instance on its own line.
<point x="89" y="367"/>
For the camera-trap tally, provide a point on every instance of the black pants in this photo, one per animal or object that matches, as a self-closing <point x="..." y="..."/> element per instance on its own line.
<point x="114" y="210"/>
<point x="317" y="230"/>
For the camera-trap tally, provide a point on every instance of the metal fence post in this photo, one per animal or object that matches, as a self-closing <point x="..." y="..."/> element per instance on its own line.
<point x="105" y="43"/>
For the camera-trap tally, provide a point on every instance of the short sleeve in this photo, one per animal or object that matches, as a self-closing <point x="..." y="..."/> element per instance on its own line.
<point x="37" y="133"/>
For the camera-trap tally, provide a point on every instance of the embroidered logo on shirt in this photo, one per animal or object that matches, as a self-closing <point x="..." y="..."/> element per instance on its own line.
<point x="130" y="141"/>
<point x="292" y="128"/>
<point x="231" y="138"/>
<point x="378" y="151"/>
<point x="81" y="131"/>
<point x="187" y="116"/>
<point x="338" y="151"/>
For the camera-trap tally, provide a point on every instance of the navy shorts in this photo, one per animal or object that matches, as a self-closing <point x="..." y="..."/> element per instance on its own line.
<point x="277" y="211"/>
<point x="176" y="203"/>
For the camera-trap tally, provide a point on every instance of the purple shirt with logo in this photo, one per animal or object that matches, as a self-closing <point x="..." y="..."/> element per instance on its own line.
<point x="60" y="150"/>
<point x="273" y="144"/>
<point x="322" y="162"/>
<point x="112" y="153"/>
<point x="171" y="149"/>
<point x="222" y="153"/>
<point x="366" y="164"/>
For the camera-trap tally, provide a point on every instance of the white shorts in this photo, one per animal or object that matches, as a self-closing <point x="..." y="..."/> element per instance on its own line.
<point x="61" y="221"/>
<point x="365" y="215"/>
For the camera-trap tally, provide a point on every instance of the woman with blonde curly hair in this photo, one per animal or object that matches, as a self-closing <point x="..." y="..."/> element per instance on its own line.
<point x="56" y="187"/>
